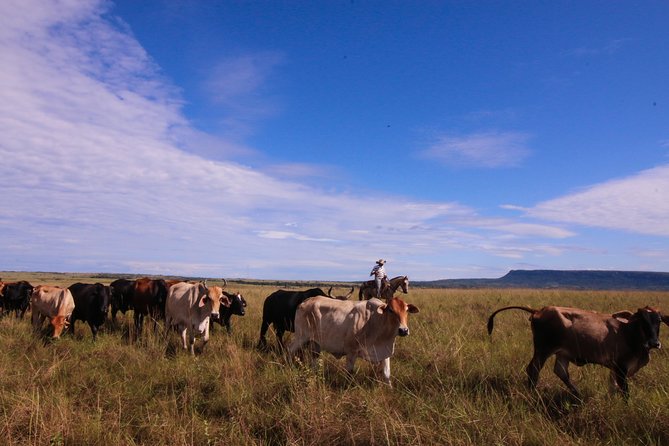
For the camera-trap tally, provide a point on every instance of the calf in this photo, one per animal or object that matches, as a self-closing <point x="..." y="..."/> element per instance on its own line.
<point x="279" y="310"/>
<point x="91" y="303"/>
<point x="620" y="342"/>
<point x="54" y="303"/>
<point x="365" y="329"/>
<point x="190" y="306"/>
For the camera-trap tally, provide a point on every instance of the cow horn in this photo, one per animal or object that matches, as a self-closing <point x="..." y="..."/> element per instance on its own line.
<point x="225" y="282"/>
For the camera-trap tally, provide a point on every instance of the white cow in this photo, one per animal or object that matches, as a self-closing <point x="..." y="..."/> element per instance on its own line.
<point x="51" y="302"/>
<point x="363" y="329"/>
<point x="190" y="306"/>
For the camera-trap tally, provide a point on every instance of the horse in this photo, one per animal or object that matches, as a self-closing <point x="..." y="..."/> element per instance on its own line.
<point x="388" y="288"/>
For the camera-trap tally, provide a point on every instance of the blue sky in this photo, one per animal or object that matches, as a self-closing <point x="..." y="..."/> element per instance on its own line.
<point x="305" y="140"/>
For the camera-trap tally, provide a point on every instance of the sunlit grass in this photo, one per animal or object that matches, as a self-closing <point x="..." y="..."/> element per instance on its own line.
<point x="452" y="384"/>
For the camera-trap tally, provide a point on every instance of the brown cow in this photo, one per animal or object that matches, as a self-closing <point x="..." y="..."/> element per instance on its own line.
<point x="51" y="302"/>
<point x="149" y="296"/>
<point x="620" y="342"/>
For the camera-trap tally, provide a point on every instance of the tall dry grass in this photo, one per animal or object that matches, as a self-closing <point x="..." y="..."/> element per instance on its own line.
<point x="453" y="385"/>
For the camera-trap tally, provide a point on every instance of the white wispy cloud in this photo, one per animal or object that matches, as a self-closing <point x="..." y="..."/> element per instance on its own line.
<point x="637" y="204"/>
<point x="236" y="85"/>
<point x="608" y="48"/>
<point x="480" y="150"/>
<point x="233" y="78"/>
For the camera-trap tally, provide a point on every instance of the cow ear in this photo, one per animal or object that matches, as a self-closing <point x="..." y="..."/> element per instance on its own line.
<point x="623" y="316"/>
<point x="225" y="301"/>
<point x="665" y="319"/>
<point x="203" y="301"/>
<point x="381" y="308"/>
<point x="412" y="308"/>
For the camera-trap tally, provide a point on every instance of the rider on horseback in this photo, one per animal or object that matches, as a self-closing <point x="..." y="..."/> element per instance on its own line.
<point x="379" y="273"/>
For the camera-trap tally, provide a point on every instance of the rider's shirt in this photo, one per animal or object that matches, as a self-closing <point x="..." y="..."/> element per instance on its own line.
<point x="379" y="272"/>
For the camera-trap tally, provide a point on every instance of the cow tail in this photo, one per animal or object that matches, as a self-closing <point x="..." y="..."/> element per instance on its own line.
<point x="492" y="316"/>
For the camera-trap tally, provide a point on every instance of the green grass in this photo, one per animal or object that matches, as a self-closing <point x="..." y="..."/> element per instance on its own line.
<point x="452" y="384"/>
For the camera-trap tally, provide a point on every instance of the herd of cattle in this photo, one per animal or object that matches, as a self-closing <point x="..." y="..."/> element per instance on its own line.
<point x="188" y="306"/>
<point x="364" y="329"/>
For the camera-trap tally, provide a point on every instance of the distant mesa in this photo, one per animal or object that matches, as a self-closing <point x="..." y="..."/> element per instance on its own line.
<point x="576" y="279"/>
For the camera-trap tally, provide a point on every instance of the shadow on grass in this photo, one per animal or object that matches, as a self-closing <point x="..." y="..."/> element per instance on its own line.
<point x="172" y="350"/>
<point x="556" y="404"/>
<point x="488" y="384"/>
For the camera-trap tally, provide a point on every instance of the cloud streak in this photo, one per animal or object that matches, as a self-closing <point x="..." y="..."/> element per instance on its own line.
<point x="480" y="150"/>
<point x="236" y="84"/>
<point x="636" y="204"/>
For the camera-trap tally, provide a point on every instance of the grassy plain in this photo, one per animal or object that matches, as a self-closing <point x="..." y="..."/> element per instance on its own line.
<point x="453" y="385"/>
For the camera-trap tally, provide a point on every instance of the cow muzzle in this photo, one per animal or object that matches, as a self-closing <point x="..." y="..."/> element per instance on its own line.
<point x="403" y="331"/>
<point x="653" y="344"/>
<point x="215" y="316"/>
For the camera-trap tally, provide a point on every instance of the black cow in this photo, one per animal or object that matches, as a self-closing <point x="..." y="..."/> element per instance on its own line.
<point x="237" y="305"/>
<point x="91" y="303"/>
<point x="279" y="310"/>
<point x="16" y="297"/>
<point x="122" y="292"/>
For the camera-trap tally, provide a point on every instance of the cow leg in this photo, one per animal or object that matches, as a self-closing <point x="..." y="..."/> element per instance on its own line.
<point x="183" y="331"/>
<point x="191" y="340"/>
<point x="383" y="367"/>
<point x="350" y="362"/>
<point x="205" y="335"/>
<point x="94" y="329"/>
<point x="561" y="369"/>
<point x="534" y="367"/>
<point x="262" y="342"/>
<point x="155" y="318"/>
<point x="295" y="346"/>
<point x="620" y="375"/>
<point x="139" y="319"/>
<point x="37" y="320"/>
<point x="279" y="339"/>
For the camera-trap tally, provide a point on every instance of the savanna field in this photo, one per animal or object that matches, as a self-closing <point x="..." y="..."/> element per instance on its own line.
<point x="452" y="383"/>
